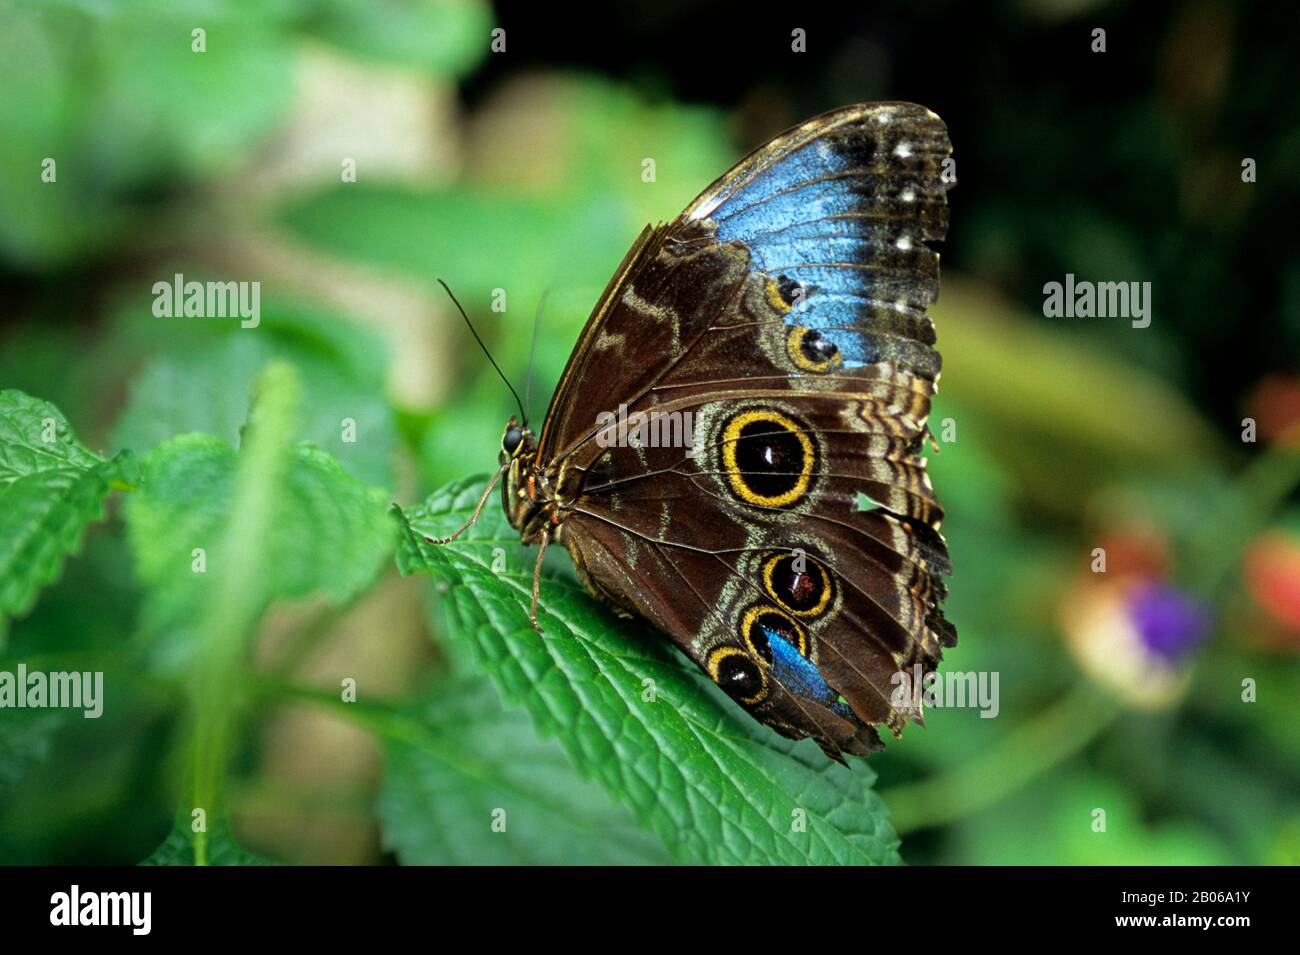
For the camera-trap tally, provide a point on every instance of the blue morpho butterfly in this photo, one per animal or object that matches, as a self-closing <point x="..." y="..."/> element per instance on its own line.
<point x="733" y="452"/>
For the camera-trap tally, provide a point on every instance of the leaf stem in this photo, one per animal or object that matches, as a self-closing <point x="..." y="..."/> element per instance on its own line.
<point x="235" y="599"/>
<point x="1261" y="488"/>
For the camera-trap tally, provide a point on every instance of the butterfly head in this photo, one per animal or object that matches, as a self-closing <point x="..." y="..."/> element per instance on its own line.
<point x="517" y="440"/>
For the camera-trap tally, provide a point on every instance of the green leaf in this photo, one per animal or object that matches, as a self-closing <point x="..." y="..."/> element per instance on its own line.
<point x="178" y="848"/>
<point x="201" y="383"/>
<point x="51" y="487"/>
<point x="535" y="240"/>
<point x="324" y="531"/>
<point x="441" y="793"/>
<point x="25" y="741"/>
<point x="714" y="785"/>
<point x="229" y="608"/>
<point x="35" y="437"/>
<point x="440" y="37"/>
<point x="476" y="759"/>
<point x="82" y="82"/>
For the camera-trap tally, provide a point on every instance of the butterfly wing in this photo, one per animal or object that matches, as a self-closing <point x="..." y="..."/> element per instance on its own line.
<point x="793" y="552"/>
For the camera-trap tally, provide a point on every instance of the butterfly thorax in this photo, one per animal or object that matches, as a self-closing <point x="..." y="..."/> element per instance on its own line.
<point x="528" y="503"/>
<point x="529" y="493"/>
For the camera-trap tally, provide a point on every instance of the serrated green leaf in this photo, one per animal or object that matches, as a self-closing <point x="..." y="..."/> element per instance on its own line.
<point x="35" y="437"/>
<point x="441" y="793"/>
<point x="178" y="848"/>
<point x="326" y="531"/>
<point x="51" y="487"/>
<point x="714" y="785"/>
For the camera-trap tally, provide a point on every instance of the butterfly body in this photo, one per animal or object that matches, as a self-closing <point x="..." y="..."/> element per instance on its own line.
<point x="760" y="497"/>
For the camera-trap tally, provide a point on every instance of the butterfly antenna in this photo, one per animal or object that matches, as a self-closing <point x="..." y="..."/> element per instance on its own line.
<point x="532" y="354"/>
<point x="485" y="349"/>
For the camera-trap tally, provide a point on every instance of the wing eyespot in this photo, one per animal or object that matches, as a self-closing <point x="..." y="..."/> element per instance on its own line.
<point x="768" y="458"/>
<point x="735" y="671"/>
<point x="810" y="350"/>
<point x="762" y="621"/>
<point x="799" y="584"/>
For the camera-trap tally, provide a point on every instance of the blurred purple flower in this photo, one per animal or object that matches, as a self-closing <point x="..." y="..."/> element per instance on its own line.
<point x="1135" y="635"/>
<point x="1169" y="623"/>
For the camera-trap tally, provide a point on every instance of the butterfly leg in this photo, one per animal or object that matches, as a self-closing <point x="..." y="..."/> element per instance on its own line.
<point x="477" y="510"/>
<point x="537" y="580"/>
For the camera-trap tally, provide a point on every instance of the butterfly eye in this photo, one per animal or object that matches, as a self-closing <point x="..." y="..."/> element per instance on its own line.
<point x="737" y="674"/>
<point x="511" y="440"/>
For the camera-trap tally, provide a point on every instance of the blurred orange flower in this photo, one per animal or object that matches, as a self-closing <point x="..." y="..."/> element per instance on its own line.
<point x="1275" y="405"/>
<point x="1271" y="572"/>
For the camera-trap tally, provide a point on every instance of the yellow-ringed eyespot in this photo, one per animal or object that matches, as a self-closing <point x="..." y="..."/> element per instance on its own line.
<point x="810" y="350"/>
<point x="775" y="299"/>
<point x="798" y="584"/>
<point x="759" y="620"/>
<point x="768" y="458"/>
<point x="784" y="293"/>
<point x="736" y="672"/>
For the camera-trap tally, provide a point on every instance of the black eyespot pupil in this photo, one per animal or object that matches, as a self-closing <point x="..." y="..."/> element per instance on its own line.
<point x="817" y="348"/>
<point x="788" y="289"/>
<point x="770" y="457"/>
<point x="739" y="676"/>
<point x="511" y="440"/>
<point x="797" y="588"/>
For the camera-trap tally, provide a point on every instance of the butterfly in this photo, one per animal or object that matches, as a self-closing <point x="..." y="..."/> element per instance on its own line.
<point x="734" y="450"/>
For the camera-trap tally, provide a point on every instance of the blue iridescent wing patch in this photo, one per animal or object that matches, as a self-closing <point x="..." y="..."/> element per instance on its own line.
<point x="842" y="208"/>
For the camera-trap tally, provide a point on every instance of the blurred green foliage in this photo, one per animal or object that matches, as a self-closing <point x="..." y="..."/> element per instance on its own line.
<point x="198" y="430"/>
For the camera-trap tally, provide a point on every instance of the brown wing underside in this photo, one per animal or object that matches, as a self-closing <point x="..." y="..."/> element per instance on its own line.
<point x="804" y="480"/>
